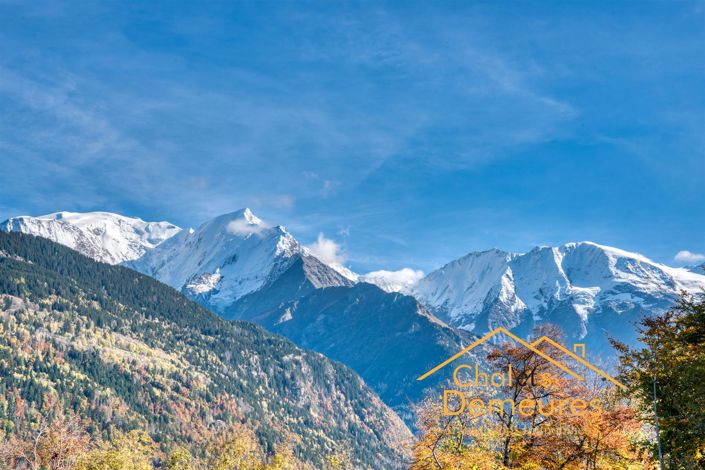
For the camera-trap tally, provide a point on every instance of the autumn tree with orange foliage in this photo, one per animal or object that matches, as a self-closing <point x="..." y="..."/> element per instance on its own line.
<point x="529" y="423"/>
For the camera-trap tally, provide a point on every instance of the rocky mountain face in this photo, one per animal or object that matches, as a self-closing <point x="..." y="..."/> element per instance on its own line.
<point x="124" y="351"/>
<point x="103" y="236"/>
<point x="591" y="291"/>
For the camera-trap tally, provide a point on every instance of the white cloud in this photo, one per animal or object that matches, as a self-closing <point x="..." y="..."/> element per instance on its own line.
<point x="244" y="227"/>
<point x="394" y="281"/>
<point x="327" y="250"/>
<point x="687" y="257"/>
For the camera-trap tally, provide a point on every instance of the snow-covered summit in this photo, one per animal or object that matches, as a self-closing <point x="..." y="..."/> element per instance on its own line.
<point x="226" y="258"/>
<point x="568" y="284"/>
<point x="103" y="236"/>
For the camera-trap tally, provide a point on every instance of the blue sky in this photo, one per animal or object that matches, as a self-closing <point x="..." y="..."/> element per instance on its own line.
<point x="408" y="133"/>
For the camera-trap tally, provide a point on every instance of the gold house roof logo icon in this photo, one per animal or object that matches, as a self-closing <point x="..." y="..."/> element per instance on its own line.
<point x="533" y="347"/>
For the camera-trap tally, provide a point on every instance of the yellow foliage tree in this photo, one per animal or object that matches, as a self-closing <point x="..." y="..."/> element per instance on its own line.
<point x="237" y="451"/>
<point x="339" y="460"/>
<point x="283" y="459"/>
<point x="180" y="459"/>
<point x="134" y="450"/>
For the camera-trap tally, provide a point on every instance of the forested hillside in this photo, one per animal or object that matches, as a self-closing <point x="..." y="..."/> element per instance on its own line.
<point x="124" y="352"/>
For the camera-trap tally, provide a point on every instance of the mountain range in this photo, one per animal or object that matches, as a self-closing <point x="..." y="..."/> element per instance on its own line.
<point x="388" y="329"/>
<point x="591" y="291"/>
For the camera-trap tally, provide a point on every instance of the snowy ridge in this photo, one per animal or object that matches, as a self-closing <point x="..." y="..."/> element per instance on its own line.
<point x="494" y="288"/>
<point x="103" y="236"/>
<point x="463" y="285"/>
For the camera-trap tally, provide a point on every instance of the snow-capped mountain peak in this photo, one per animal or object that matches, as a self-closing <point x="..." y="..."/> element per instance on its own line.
<point x="582" y="286"/>
<point x="227" y="258"/>
<point x="250" y="217"/>
<point x="104" y="236"/>
<point x="242" y="222"/>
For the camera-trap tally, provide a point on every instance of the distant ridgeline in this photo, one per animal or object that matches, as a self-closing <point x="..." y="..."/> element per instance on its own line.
<point x="123" y="351"/>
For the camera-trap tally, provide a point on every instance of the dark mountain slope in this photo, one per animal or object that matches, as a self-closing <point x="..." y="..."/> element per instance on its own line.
<point x="389" y="339"/>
